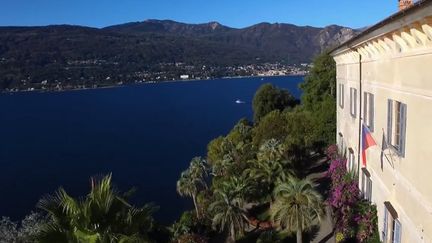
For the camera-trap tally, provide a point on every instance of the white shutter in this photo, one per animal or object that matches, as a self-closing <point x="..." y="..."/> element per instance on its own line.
<point x="403" y="118"/>
<point x="397" y="231"/>
<point x="389" y="120"/>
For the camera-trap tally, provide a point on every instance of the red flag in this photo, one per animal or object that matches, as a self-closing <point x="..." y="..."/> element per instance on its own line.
<point x="367" y="141"/>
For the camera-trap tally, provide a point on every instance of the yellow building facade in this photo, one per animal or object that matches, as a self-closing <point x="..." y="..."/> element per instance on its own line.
<point x="384" y="82"/>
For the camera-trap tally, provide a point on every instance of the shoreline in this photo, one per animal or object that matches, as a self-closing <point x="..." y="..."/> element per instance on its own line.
<point x="141" y="83"/>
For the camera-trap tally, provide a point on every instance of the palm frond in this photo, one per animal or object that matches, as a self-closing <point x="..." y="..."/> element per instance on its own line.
<point x="297" y="204"/>
<point x="102" y="216"/>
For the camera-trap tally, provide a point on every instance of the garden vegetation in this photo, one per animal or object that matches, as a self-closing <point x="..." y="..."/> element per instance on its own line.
<point x="258" y="183"/>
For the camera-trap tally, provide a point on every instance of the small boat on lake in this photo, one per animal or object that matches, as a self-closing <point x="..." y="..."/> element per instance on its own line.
<point x="240" y="102"/>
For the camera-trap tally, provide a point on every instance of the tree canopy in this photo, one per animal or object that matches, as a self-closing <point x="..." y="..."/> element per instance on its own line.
<point x="320" y="83"/>
<point x="319" y="97"/>
<point x="269" y="98"/>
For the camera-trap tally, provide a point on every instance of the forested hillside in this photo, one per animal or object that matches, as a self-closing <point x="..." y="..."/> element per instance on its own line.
<point x="69" y="56"/>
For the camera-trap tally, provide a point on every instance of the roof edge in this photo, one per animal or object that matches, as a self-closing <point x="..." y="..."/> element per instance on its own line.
<point x="418" y="5"/>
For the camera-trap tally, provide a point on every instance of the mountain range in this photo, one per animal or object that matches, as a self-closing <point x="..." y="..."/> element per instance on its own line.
<point x="274" y="42"/>
<point x="59" y="51"/>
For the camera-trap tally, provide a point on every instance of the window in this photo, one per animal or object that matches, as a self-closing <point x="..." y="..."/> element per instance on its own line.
<point x="341" y="144"/>
<point x="366" y="185"/>
<point x="351" y="160"/>
<point x="353" y="102"/>
<point x="385" y="226"/>
<point x="341" y="95"/>
<point x="396" y="125"/>
<point x="392" y="227"/>
<point x="368" y="110"/>
<point x="397" y="227"/>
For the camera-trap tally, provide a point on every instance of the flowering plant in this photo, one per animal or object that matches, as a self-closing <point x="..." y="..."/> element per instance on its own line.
<point x="332" y="152"/>
<point x="339" y="237"/>
<point x="366" y="220"/>
<point x="354" y="218"/>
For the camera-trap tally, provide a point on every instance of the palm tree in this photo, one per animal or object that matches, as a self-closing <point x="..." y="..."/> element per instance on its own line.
<point x="188" y="187"/>
<point x="102" y="216"/>
<point x="228" y="208"/>
<point x="271" y="149"/>
<point x="269" y="167"/>
<point x="193" y="180"/>
<point x="199" y="171"/>
<point x="297" y="206"/>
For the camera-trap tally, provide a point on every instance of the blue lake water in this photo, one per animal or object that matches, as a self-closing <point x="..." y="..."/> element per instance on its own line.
<point x="144" y="134"/>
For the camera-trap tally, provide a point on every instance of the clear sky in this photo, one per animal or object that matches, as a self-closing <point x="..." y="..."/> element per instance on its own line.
<point x="234" y="13"/>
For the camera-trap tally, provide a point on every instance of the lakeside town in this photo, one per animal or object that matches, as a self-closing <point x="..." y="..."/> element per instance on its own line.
<point x="162" y="73"/>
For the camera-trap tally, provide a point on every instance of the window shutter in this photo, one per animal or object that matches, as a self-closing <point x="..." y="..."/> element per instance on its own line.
<point x="365" y="107"/>
<point x="389" y="120"/>
<point x="397" y="231"/>
<point x="371" y="111"/>
<point x="343" y="95"/>
<point x="351" y="101"/>
<point x="369" y="189"/>
<point x="355" y="103"/>
<point x="385" y="226"/>
<point x="403" y="119"/>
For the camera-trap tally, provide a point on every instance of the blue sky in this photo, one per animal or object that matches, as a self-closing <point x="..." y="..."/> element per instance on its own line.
<point x="234" y="13"/>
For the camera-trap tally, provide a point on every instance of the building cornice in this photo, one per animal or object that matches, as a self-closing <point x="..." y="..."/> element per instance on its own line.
<point x="408" y="29"/>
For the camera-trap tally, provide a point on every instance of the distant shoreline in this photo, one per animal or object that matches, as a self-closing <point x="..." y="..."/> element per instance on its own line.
<point x="234" y="77"/>
<point x="141" y="83"/>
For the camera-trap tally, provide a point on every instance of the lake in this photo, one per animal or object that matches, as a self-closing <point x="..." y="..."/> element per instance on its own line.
<point x="144" y="134"/>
